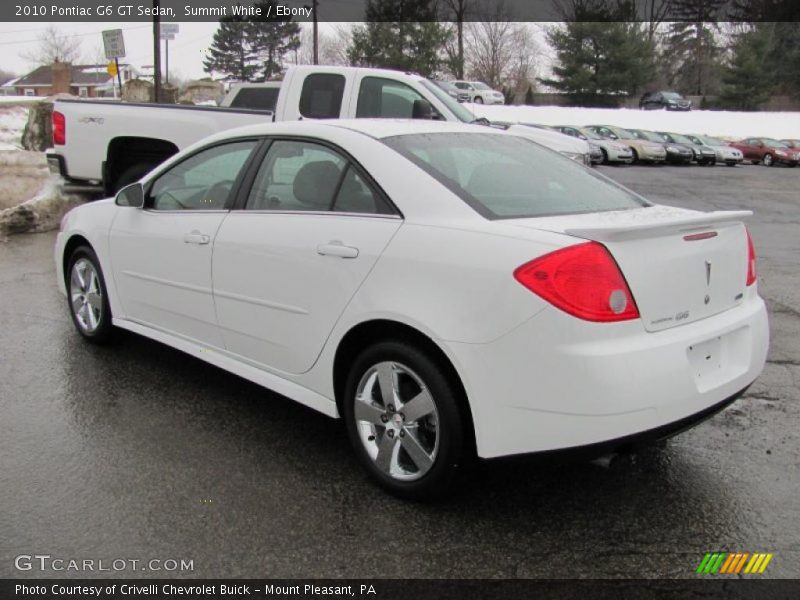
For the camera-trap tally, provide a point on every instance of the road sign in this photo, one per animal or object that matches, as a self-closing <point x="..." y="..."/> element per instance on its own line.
<point x="112" y="68"/>
<point x="113" y="43"/>
<point x="169" y="28"/>
<point x="167" y="36"/>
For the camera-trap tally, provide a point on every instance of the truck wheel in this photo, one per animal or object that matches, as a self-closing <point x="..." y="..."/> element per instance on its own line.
<point x="131" y="174"/>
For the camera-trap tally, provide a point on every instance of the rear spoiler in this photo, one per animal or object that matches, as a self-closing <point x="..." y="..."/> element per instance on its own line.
<point x="677" y="224"/>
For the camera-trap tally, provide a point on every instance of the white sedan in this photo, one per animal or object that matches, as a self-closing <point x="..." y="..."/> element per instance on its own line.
<point x="449" y="290"/>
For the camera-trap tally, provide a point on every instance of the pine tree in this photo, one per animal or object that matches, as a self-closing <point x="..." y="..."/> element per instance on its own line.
<point x="692" y="55"/>
<point x="599" y="63"/>
<point x="749" y="80"/>
<point x="233" y="52"/>
<point x="273" y="39"/>
<point x="252" y="50"/>
<point x="399" y="34"/>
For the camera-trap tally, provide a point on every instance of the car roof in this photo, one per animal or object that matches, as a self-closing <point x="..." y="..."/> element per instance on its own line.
<point x="375" y="128"/>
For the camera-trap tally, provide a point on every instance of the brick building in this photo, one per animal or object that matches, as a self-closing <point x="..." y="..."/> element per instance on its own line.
<point x="86" y="81"/>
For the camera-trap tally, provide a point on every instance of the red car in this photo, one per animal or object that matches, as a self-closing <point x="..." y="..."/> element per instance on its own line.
<point x="770" y="152"/>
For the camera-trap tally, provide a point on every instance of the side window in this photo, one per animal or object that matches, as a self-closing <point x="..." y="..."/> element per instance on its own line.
<point x="296" y="176"/>
<point x="356" y="196"/>
<point x="321" y="97"/>
<point x="202" y="182"/>
<point x="256" y="98"/>
<point x="385" y="98"/>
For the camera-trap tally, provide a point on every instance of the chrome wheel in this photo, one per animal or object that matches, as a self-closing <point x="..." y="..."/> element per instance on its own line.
<point x="397" y="421"/>
<point x="768" y="160"/>
<point x="86" y="297"/>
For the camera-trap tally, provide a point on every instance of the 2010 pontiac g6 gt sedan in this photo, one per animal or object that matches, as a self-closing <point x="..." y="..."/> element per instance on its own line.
<point x="450" y="291"/>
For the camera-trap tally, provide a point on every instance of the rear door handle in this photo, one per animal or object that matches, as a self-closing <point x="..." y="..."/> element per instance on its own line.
<point x="195" y="237"/>
<point x="336" y="248"/>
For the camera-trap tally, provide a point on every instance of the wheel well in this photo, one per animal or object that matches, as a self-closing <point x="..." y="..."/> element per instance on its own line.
<point x="125" y="152"/>
<point x="69" y="248"/>
<point x="370" y="332"/>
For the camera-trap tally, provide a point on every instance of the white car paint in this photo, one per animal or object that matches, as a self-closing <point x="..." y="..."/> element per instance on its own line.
<point x="574" y="148"/>
<point x="535" y="377"/>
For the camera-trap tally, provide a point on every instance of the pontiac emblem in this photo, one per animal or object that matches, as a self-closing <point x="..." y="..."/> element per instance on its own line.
<point x="708" y="273"/>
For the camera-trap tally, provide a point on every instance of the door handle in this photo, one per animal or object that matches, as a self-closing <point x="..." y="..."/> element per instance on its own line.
<point x="195" y="237"/>
<point x="336" y="248"/>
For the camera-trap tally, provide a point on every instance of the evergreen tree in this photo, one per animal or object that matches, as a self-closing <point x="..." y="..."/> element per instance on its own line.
<point x="692" y="56"/>
<point x="749" y="80"/>
<point x="252" y="50"/>
<point x="273" y="39"/>
<point x="599" y="63"/>
<point x="234" y="53"/>
<point x="399" y="34"/>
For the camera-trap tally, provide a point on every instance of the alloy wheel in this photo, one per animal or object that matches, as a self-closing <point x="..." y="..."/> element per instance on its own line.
<point x="768" y="160"/>
<point x="397" y="421"/>
<point x="86" y="296"/>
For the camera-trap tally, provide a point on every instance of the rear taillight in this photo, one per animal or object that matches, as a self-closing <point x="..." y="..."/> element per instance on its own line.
<point x="751" y="260"/>
<point x="582" y="280"/>
<point x="59" y="129"/>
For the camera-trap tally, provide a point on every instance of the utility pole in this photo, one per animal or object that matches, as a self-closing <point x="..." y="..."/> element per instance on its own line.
<point x="156" y="52"/>
<point x="316" y="34"/>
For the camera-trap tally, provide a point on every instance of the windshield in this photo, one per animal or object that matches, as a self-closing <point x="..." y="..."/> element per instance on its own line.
<point x="506" y="177"/>
<point x="480" y="86"/>
<point x="461" y="113"/>
<point x="589" y="133"/>
<point x="711" y="141"/>
<point x="648" y="135"/>
<point x="621" y="133"/>
<point x="774" y="143"/>
<point x="680" y="139"/>
<point x="672" y="96"/>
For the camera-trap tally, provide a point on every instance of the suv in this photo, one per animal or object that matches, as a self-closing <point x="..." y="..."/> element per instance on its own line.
<point x="668" y="100"/>
<point x="480" y="93"/>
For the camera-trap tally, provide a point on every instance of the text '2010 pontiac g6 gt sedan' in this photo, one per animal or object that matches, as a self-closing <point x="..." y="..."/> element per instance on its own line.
<point x="449" y="290"/>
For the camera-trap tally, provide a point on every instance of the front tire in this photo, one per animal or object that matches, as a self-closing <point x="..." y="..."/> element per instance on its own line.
<point x="87" y="296"/>
<point x="403" y="419"/>
<point x="478" y="100"/>
<point x="768" y="160"/>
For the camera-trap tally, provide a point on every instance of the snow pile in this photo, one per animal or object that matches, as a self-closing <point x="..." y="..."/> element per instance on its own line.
<point x="43" y="212"/>
<point x="12" y="122"/>
<point x="733" y="125"/>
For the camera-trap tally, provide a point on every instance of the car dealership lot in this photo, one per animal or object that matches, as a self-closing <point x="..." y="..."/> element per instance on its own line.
<point x="139" y="451"/>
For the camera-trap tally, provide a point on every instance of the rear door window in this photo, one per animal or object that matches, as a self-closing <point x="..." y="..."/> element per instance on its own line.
<point x="321" y="97"/>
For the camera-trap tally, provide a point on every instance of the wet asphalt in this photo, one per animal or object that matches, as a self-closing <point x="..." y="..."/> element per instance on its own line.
<point x="137" y="451"/>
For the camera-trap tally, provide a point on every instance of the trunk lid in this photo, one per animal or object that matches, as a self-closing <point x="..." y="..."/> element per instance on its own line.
<point x="681" y="265"/>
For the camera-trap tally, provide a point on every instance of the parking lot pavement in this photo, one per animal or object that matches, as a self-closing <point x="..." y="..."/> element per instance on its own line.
<point x="138" y="451"/>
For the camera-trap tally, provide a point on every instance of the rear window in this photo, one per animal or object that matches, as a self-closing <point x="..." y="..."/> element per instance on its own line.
<point x="256" y="98"/>
<point x="506" y="177"/>
<point x="321" y="97"/>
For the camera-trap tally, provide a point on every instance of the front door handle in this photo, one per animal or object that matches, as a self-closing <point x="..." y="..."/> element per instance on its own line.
<point x="195" y="237"/>
<point x="336" y="248"/>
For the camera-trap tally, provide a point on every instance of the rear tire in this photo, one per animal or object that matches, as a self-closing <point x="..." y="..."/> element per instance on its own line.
<point x="87" y="297"/>
<point x="404" y="420"/>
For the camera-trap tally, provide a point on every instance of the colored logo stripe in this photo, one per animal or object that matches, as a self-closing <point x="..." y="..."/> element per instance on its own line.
<point x="734" y="562"/>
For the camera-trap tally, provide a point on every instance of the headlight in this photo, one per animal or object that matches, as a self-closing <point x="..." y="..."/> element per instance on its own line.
<point x="780" y="152"/>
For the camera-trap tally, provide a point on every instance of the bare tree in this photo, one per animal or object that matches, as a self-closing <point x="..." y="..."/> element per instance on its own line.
<point x="459" y="10"/>
<point x="54" y="46"/>
<point x="501" y="53"/>
<point x="332" y="46"/>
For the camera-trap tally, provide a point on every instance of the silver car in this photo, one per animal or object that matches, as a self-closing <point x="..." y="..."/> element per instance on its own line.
<point x="479" y="92"/>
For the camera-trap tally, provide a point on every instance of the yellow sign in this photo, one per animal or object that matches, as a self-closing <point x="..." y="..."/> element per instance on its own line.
<point x="112" y="69"/>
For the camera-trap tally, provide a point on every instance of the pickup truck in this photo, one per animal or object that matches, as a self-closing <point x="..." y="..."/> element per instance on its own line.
<point x="101" y="146"/>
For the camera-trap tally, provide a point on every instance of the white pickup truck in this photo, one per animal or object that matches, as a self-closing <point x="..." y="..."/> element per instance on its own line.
<point x="101" y="146"/>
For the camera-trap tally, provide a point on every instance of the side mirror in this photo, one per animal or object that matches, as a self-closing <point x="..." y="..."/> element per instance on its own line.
<point x="131" y="195"/>
<point x="422" y="109"/>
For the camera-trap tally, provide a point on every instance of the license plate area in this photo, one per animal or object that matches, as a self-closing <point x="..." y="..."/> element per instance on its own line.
<point x="720" y="359"/>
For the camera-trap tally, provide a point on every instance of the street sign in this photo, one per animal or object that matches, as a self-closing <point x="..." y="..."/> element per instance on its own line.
<point x="167" y="36"/>
<point x="112" y="68"/>
<point x="169" y="28"/>
<point x="113" y="43"/>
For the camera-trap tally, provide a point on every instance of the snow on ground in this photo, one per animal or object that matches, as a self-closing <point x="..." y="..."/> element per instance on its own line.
<point x="729" y="124"/>
<point x="12" y="122"/>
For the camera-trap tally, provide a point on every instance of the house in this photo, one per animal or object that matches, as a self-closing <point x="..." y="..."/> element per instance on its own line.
<point x="8" y="88"/>
<point x="86" y="81"/>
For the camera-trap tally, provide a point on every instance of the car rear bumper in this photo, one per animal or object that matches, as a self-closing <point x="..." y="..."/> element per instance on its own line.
<point x="558" y="382"/>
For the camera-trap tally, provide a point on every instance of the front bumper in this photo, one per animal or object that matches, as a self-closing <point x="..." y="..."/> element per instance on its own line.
<point x="618" y="155"/>
<point x="680" y="156"/>
<point x="558" y="382"/>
